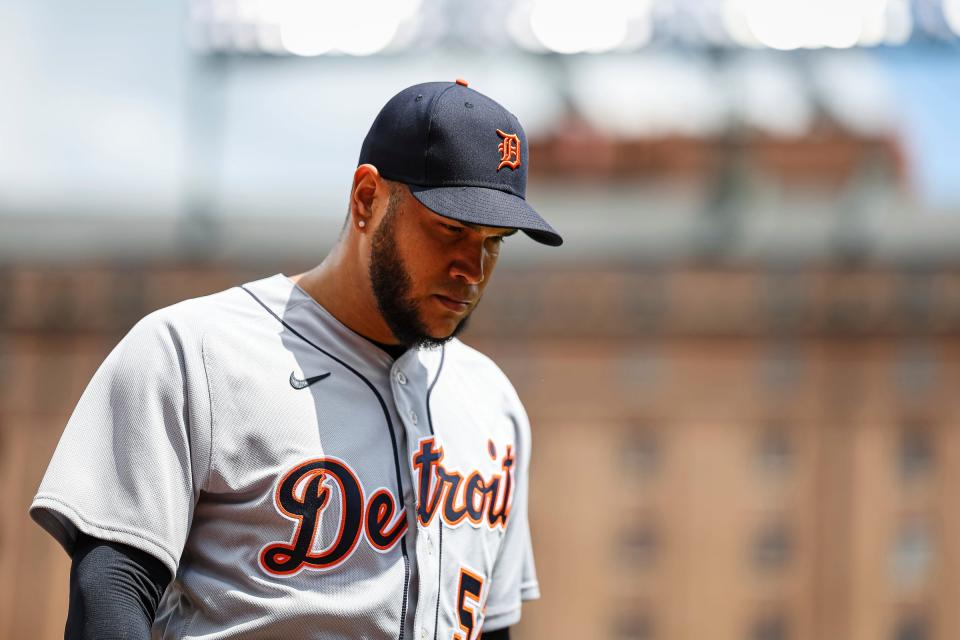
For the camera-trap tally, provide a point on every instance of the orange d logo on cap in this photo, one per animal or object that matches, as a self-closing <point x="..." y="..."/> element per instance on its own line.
<point x="509" y="150"/>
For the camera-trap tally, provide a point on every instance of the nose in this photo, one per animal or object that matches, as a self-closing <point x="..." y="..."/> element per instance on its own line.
<point x="469" y="265"/>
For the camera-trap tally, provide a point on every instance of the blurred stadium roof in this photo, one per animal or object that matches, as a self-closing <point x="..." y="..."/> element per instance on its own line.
<point x="179" y="116"/>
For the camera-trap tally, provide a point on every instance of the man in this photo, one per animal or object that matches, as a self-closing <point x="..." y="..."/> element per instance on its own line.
<point x="317" y="456"/>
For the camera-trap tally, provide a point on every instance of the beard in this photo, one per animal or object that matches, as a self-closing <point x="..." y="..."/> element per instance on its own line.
<point x="392" y="285"/>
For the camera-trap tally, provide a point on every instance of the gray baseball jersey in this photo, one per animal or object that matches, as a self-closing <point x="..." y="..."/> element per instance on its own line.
<point x="297" y="481"/>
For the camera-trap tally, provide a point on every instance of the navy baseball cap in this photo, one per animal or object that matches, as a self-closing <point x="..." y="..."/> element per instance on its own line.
<point x="463" y="156"/>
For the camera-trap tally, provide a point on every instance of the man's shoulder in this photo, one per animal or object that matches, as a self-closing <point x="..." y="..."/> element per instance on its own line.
<point x="188" y="321"/>
<point x="458" y="352"/>
<point x="475" y="363"/>
<point x="196" y="314"/>
<point x="257" y="299"/>
<point x="487" y="381"/>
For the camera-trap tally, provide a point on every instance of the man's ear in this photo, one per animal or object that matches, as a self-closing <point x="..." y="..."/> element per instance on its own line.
<point x="368" y="188"/>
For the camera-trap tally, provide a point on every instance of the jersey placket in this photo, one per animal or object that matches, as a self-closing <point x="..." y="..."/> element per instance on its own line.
<point x="409" y="382"/>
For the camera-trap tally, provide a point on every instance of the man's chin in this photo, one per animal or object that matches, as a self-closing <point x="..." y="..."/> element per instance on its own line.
<point x="442" y="335"/>
<point x="412" y="331"/>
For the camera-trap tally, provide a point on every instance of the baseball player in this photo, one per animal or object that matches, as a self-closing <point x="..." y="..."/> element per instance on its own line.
<point x="317" y="456"/>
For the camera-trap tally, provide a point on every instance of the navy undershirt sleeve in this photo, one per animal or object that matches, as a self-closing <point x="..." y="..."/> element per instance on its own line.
<point x="499" y="634"/>
<point x="114" y="591"/>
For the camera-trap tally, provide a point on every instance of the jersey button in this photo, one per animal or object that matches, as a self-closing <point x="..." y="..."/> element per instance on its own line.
<point x="413" y="416"/>
<point x="423" y="634"/>
<point x="402" y="379"/>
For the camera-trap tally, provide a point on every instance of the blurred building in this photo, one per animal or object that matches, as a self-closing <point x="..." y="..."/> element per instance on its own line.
<point x="741" y="453"/>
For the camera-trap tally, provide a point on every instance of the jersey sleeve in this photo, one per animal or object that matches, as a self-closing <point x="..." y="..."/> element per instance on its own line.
<point x="135" y="452"/>
<point x="514" y="577"/>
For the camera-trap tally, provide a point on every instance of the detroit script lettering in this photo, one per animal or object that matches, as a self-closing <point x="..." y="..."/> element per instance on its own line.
<point x="304" y="492"/>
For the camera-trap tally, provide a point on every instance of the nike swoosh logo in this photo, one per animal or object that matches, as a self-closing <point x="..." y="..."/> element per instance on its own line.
<point x="297" y="383"/>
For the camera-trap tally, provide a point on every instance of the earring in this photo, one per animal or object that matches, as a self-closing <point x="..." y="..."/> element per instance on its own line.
<point x="362" y="224"/>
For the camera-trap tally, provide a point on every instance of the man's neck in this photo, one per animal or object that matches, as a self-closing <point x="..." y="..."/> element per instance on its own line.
<point x="338" y="287"/>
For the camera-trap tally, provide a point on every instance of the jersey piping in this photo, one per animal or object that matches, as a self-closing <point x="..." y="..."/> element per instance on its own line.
<point x="436" y="617"/>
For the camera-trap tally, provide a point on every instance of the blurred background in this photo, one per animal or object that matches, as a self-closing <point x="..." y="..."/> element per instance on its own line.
<point x="741" y="367"/>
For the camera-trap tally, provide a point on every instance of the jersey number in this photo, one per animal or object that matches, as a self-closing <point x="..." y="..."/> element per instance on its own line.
<point x="470" y="588"/>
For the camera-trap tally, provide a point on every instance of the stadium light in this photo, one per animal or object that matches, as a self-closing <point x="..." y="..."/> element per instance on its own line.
<point x="813" y="24"/>
<point x="574" y="26"/>
<point x="951" y="11"/>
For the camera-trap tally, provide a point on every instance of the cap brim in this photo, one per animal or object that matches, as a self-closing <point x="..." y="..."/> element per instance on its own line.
<point x="487" y="207"/>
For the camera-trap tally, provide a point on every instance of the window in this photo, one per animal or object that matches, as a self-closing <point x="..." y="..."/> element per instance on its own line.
<point x="772" y="547"/>
<point x="916" y="369"/>
<point x="639" y="546"/>
<point x="780" y="369"/>
<point x="775" y="451"/>
<point x="641" y="370"/>
<point x="635" y="626"/>
<point x="913" y="627"/>
<point x="917" y="298"/>
<point x="641" y="453"/>
<point x="916" y="452"/>
<point x="911" y="556"/>
<point x="769" y="627"/>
